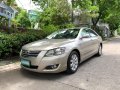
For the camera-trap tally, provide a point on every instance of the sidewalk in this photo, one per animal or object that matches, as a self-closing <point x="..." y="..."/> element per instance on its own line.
<point x="109" y="39"/>
<point x="10" y="67"/>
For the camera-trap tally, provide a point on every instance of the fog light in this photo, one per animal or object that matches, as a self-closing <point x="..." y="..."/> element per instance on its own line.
<point x="52" y="66"/>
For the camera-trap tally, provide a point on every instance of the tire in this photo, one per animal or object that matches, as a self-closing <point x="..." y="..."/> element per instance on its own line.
<point x="99" y="53"/>
<point x="73" y="62"/>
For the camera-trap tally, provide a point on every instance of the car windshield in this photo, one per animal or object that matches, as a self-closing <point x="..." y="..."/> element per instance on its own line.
<point x="64" y="34"/>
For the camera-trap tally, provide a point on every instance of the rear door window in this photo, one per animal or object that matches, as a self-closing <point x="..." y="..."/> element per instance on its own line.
<point x="85" y="32"/>
<point x="92" y="33"/>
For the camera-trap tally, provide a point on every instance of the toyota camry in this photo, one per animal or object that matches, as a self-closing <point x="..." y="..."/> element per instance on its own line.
<point x="63" y="50"/>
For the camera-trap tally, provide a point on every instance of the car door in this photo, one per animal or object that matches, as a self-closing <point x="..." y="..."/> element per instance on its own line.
<point x="85" y="44"/>
<point x="94" y="39"/>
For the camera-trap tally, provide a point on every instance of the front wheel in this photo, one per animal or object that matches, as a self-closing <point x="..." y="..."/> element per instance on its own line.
<point x="73" y="62"/>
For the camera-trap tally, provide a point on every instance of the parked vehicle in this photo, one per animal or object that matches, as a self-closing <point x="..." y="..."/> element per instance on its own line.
<point x="63" y="50"/>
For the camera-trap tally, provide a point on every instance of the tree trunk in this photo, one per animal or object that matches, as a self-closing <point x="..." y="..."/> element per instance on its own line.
<point x="95" y="21"/>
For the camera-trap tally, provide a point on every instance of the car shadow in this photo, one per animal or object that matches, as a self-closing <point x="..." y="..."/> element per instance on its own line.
<point x="42" y="76"/>
<point x="50" y="76"/>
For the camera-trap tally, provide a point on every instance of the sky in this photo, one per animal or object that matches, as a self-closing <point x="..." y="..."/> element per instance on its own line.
<point x="26" y="4"/>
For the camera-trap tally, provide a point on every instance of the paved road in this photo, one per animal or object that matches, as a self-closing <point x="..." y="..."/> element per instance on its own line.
<point x="97" y="73"/>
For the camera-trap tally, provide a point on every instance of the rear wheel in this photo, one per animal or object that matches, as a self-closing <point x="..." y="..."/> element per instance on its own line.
<point x="99" y="51"/>
<point x="73" y="62"/>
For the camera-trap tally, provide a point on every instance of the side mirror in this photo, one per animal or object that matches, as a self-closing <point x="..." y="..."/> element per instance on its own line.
<point x="86" y="36"/>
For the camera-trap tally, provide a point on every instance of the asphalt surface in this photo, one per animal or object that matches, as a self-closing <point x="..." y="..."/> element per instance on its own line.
<point x="97" y="73"/>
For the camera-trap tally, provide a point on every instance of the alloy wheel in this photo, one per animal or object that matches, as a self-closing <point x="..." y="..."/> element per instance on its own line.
<point x="74" y="62"/>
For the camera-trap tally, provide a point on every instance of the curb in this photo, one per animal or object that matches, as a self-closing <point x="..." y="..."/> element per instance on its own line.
<point x="9" y="67"/>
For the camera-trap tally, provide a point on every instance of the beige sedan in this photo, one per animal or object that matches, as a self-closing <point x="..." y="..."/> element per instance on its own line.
<point x="63" y="50"/>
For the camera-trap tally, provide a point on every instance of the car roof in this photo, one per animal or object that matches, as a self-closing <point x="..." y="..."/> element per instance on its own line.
<point x="78" y="28"/>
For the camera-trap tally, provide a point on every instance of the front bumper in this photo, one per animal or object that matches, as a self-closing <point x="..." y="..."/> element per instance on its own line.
<point x="39" y="63"/>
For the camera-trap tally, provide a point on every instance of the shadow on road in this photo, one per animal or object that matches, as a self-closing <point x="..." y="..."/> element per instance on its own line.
<point x="42" y="76"/>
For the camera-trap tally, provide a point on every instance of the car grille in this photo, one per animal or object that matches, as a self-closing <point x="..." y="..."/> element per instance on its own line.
<point x="26" y="53"/>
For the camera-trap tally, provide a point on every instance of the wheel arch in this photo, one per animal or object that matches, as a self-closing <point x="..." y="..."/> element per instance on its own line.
<point x="78" y="53"/>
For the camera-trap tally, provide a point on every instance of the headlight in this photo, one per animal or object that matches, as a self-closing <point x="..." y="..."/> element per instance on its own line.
<point x="55" y="52"/>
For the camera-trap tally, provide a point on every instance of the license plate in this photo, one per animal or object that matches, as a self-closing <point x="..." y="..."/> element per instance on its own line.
<point x="25" y="62"/>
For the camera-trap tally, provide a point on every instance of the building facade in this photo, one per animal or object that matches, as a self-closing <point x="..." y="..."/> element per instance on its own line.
<point x="7" y="11"/>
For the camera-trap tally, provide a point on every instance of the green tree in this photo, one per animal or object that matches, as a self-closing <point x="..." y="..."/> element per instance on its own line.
<point x="99" y="9"/>
<point x="114" y="21"/>
<point x="56" y="12"/>
<point x="22" y="20"/>
<point x="11" y="2"/>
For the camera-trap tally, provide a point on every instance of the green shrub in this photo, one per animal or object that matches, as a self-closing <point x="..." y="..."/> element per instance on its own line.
<point x="50" y="28"/>
<point x="69" y="25"/>
<point x="10" y="44"/>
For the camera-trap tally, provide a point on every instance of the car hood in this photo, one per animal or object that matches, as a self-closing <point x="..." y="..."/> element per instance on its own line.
<point x="47" y="44"/>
